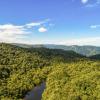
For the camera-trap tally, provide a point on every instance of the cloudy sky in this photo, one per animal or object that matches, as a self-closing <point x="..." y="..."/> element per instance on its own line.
<point x="68" y="22"/>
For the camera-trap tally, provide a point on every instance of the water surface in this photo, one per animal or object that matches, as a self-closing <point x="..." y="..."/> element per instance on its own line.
<point x="36" y="93"/>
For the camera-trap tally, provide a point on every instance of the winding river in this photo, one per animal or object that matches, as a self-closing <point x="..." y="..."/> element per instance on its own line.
<point x="36" y="93"/>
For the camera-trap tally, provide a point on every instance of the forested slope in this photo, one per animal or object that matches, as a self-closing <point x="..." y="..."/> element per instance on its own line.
<point x="74" y="81"/>
<point x="68" y="75"/>
<point x="23" y="68"/>
<point x="84" y="50"/>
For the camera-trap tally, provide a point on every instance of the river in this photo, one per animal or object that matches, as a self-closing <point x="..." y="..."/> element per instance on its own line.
<point x="36" y="93"/>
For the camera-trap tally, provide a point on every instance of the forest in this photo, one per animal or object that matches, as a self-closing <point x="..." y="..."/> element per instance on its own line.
<point x="86" y="50"/>
<point x="68" y="75"/>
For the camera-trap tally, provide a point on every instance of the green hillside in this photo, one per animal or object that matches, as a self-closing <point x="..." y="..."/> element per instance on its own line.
<point x="68" y="75"/>
<point x="84" y="50"/>
<point x="75" y="81"/>
<point x="21" y="69"/>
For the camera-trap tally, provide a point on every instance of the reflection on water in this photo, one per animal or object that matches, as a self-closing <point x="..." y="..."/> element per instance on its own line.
<point x="36" y="93"/>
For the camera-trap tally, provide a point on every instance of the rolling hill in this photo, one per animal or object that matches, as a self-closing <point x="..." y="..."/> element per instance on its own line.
<point x="84" y="50"/>
<point x="21" y="69"/>
<point x="67" y="74"/>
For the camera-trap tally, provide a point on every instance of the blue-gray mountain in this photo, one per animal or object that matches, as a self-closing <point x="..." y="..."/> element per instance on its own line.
<point x="84" y="50"/>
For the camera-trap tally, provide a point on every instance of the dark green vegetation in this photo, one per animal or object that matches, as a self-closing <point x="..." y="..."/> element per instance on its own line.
<point x="68" y="75"/>
<point x="21" y="69"/>
<point x="84" y="50"/>
<point x="96" y="57"/>
<point x="74" y="81"/>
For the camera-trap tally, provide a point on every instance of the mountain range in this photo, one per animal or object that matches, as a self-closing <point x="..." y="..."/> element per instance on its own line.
<point x="67" y="74"/>
<point x="86" y="50"/>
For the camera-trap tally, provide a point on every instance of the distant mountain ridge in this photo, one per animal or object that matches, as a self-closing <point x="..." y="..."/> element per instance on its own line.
<point x="24" y="67"/>
<point x="84" y="50"/>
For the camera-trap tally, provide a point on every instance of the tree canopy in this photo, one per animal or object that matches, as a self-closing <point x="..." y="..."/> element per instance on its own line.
<point x="68" y="75"/>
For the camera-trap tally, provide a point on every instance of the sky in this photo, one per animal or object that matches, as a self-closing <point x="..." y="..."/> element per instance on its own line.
<point x="64" y="22"/>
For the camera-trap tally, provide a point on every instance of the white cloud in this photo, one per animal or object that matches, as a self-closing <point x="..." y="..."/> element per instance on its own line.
<point x="10" y="32"/>
<point x="10" y="29"/>
<point x="84" y="1"/>
<point x="87" y="41"/>
<point x="30" y="25"/>
<point x="19" y="33"/>
<point x="82" y="41"/>
<point x="95" y="26"/>
<point x="89" y="4"/>
<point x="78" y="41"/>
<point x="42" y="29"/>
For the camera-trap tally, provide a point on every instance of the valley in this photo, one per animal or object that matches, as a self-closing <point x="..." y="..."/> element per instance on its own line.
<point x="67" y="74"/>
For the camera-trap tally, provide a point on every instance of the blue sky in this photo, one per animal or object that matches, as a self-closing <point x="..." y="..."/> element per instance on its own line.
<point x="68" y="22"/>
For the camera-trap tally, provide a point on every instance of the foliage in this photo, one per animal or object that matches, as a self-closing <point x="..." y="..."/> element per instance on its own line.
<point x="95" y="57"/>
<point x="84" y="50"/>
<point x="68" y="75"/>
<point x="74" y="81"/>
<point x="21" y="69"/>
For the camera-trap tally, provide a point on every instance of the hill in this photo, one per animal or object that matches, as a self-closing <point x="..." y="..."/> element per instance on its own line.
<point x="67" y="74"/>
<point x="74" y="81"/>
<point x="21" y="69"/>
<point x="84" y="50"/>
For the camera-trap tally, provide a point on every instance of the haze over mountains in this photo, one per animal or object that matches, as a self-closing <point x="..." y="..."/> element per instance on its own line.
<point x="84" y="50"/>
<point x="21" y="69"/>
<point x="49" y="49"/>
<point x="67" y="74"/>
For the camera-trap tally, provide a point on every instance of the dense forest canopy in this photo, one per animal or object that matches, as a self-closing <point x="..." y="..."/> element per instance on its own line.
<point x="68" y="75"/>
<point x="74" y="81"/>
